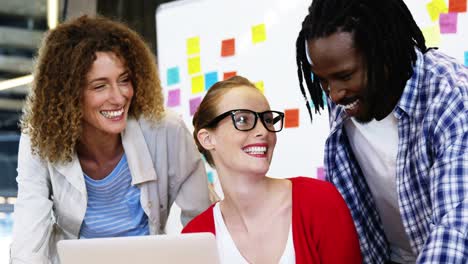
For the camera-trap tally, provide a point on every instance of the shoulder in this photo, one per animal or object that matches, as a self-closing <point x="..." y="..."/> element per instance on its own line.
<point x="310" y="186"/>
<point x="445" y="77"/>
<point x="315" y="193"/>
<point x="204" y="222"/>
<point x="170" y="123"/>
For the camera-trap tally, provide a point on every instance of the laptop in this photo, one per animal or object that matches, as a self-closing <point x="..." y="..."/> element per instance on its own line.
<point x="167" y="249"/>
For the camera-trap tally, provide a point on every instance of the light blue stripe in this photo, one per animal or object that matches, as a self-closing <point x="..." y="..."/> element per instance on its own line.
<point x="114" y="207"/>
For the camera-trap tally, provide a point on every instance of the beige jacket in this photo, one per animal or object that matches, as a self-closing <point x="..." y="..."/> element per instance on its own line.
<point x="52" y="199"/>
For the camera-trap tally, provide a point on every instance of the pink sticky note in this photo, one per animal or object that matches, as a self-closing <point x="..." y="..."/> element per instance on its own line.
<point x="448" y="23"/>
<point x="173" y="98"/>
<point x="194" y="103"/>
<point x="320" y="173"/>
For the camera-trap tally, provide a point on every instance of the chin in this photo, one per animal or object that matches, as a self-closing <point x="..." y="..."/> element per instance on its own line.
<point x="364" y="115"/>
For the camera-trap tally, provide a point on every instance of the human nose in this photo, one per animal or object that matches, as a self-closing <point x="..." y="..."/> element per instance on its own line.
<point x="117" y="95"/>
<point x="335" y="91"/>
<point x="260" y="129"/>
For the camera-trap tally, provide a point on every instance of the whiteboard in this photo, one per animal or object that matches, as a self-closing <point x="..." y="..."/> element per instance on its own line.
<point x="299" y="150"/>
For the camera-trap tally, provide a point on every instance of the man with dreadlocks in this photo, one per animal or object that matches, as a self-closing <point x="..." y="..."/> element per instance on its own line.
<point x="398" y="145"/>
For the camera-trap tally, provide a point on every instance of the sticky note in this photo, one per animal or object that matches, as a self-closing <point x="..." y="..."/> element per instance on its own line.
<point x="260" y="86"/>
<point x="210" y="175"/>
<point x="193" y="65"/>
<point x="193" y="45"/>
<point x="198" y="84"/>
<point x="457" y="6"/>
<point x="258" y="33"/>
<point x="466" y="58"/>
<point x="291" y="118"/>
<point x="228" y="75"/>
<point x="321" y="173"/>
<point x="173" y="76"/>
<point x="173" y="98"/>
<point x="228" y="47"/>
<point x="435" y="7"/>
<point x="210" y="79"/>
<point x="194" y="103"/>
<point x="324" y="98"/>
<point x="432" y="35"/>
<point x="448" y="23"/>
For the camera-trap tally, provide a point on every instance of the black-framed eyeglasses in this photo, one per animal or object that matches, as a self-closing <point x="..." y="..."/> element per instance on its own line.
<point x="245" y="120"/>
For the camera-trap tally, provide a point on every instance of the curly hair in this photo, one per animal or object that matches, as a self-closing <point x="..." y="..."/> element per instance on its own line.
<point x="208" y="109"/>
<point x="52" y="115"/>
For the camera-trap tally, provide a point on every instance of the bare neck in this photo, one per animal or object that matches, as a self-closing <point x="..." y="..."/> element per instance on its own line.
<point x="99" y="149"/>
<point x="247" y="198"/>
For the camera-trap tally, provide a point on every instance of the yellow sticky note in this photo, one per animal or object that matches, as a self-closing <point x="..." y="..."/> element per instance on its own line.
<point x="432" y="35"/>
<point x="194" y="65"/>
<point x="193" y="45"/>
<point x="198" y="84"/>
<point x="435" y="7"/>
<point x="260" y="86"/>
<point x="258" y="33"/>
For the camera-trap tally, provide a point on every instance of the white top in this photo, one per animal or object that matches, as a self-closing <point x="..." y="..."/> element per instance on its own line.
<point x="375" y="146"/>
<point x="228" y="252"/>
<point x="52" y="198"/>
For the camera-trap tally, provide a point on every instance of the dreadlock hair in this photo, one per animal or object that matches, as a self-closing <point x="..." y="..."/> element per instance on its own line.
<point x="384" y="32"/>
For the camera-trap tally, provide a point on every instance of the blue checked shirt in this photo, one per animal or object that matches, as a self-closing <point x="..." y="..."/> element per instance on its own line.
<point x="432" y="166"/>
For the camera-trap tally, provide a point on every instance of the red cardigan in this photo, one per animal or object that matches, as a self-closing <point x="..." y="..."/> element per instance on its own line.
<point x="323" y="230"/>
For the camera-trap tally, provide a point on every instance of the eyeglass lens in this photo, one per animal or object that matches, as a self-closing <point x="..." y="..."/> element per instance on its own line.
<point x="246" y="120"/>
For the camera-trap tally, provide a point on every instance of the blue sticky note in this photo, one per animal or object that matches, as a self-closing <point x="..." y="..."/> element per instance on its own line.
<point x="173" y="76"/>
<point x="324" y="98"/>
<point x="210" y="79"/>
<point x="210" y="177"/>
<point x="466" y="58"/>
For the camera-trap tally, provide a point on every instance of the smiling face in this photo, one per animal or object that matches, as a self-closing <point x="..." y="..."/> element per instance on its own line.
<point x="107" y="96"/>
<point x="247" y="152"/>
<point x="342" y="73"/>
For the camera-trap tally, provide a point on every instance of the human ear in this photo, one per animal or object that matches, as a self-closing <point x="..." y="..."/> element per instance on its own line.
<point x="206" y="139"/>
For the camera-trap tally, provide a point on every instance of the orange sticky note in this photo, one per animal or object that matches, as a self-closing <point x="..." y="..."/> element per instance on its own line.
<point x="198" y="84"/>
<point x="457" y="6"/>
<point x="258" y="33"/>
<point x="193" y="45"/>
<point x="228" y="75"/>
<point x="193" y="65"/>
<point x="435" y="7"/>
<point x="291" y="118"/>
<point x="228" y="47"/>
<point x="260" y="86"/>
<point x="432" y="35"/>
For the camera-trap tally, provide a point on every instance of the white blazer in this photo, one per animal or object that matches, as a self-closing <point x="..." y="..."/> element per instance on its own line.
<point x="52" y="199"/>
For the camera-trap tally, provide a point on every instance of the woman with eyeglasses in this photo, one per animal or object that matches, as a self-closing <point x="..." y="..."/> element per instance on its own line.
<point x="263" y="219"/>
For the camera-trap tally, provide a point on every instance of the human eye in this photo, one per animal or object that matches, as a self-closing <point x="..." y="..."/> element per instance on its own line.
<point x="346" y="77"/>
<point x="99" y="86"/>
<point x="124" y="79"/>
<point x="268" y="118"/>
<point x="242" y="118"/>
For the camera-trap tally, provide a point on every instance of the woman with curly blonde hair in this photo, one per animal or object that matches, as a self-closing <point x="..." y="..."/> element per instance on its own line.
<point x="99" y="156"/>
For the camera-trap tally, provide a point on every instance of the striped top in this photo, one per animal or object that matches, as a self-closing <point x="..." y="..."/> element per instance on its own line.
<point x="114" y="207"/>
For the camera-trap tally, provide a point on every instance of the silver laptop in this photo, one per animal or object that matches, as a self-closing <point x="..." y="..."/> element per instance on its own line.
<point x="170" y="249"/>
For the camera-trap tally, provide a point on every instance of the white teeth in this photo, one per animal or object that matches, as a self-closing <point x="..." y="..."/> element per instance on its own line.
<point x="112" y="114"/>
<point x="351" y="105"/>
<point x="255" y="150"/>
